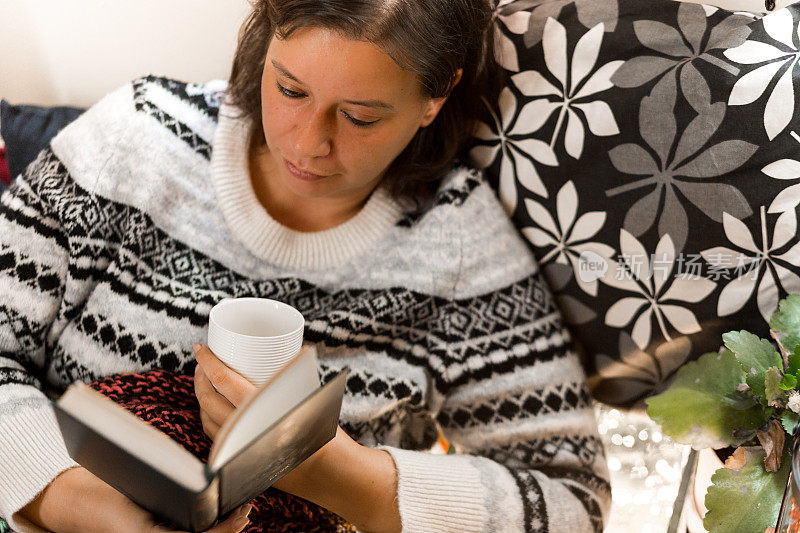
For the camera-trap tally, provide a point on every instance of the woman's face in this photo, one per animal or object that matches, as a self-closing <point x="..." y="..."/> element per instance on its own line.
<point x="336" y="112"/>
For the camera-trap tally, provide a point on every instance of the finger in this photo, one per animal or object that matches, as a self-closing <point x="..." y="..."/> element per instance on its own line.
<point x="159" y="528"/>
<point x="212" y="402"/>
<point x="236" y="522"/>
<point x="229" y="383"/>
<point x="210" y="427"/>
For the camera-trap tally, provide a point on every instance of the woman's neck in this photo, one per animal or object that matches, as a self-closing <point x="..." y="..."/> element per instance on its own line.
<point x="287" y="208"/>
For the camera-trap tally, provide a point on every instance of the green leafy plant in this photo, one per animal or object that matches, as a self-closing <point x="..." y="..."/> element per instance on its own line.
<point x="745" y="396"/>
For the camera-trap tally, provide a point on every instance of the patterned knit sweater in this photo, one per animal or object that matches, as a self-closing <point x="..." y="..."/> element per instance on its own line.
<point x="140" y="216"/>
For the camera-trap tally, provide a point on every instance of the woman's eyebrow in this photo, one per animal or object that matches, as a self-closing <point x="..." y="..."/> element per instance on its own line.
<point x="371" y="103"/>
<point x="283" y="70"/>
<point x="364" y="103"/>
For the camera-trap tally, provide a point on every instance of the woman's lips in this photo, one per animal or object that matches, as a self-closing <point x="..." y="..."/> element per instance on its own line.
<point x="302" y="174"/>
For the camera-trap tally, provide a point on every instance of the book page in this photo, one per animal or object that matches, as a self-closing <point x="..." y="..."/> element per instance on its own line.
<point x="278" y="450"/>
<point x="298" y="380"/>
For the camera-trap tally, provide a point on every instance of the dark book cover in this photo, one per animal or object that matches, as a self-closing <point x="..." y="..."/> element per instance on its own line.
<point x="276" y="451"/>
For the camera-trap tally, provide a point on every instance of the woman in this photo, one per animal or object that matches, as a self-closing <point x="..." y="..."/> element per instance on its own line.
<point x="325" y="178"/>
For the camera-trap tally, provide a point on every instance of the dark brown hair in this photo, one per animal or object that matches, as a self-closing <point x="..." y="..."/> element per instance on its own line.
<point x="432" y="38"/>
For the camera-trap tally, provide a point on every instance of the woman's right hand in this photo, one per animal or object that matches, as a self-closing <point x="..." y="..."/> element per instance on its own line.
<point x="78" y="501"/>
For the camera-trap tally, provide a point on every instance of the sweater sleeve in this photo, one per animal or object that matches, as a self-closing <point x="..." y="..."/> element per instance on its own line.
<point x="515" y="403"/>
<point x="33" y="271"/>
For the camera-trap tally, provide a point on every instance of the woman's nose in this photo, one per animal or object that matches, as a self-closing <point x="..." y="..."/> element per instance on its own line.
<point x="313" y="137"/>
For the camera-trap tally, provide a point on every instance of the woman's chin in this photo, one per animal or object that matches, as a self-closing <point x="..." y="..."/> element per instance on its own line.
<point x="308" y="188"/>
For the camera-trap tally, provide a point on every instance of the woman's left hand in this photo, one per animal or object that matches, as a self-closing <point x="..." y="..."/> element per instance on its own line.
<point x="219" y="389"/>
<point x="341" y="476"/>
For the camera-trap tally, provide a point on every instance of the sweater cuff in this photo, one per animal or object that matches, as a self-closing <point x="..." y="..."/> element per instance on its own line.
<point x="438" y="493"/>
<point x="33" y="454"/>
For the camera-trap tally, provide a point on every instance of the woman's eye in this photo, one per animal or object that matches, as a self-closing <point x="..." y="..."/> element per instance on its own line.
<point x="359" y="123"/>
<point x="288" y="92"/>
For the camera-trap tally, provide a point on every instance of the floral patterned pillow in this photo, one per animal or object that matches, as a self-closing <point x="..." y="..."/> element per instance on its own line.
<point x="649" y="150"/>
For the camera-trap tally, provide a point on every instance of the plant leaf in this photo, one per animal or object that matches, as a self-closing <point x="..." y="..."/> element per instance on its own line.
<point x="772" y="384"/>
<point x="755" y="355"/>
<point x="702" y="407"/>
<point x="747" y="500"/>
<point x="794" y="360"/>
<point x="787" y="321"/>
<point x="737" y="459"/>
<point x="772" y="441"/>
<point x="789" y="420"/>
<point x="788" y="382"/>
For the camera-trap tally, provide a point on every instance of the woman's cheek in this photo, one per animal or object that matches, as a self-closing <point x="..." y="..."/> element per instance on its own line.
<point x="367" y="154"/>
<point x="387" y="145"/>
<point x="278" y="121"/>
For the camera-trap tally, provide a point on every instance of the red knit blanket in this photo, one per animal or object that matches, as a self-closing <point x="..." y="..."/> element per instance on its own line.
<point x="167" y="401"/>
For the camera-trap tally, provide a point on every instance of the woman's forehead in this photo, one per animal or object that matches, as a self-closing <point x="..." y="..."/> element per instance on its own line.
<point x="319" y="56"/>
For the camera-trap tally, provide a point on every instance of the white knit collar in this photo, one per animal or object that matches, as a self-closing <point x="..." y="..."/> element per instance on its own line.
<point x="263" y="235"/>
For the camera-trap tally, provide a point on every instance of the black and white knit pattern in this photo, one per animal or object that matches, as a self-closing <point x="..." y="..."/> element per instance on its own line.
<point x="444" y="320"/>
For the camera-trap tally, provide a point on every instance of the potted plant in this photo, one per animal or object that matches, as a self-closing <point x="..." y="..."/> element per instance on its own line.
<point x="745" y="396"/>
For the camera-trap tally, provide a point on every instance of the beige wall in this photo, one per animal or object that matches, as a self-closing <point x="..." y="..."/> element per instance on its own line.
<point x="74" y="51"/>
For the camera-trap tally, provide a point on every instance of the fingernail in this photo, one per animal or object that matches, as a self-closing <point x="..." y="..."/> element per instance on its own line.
<point x="242" y="521"/>
<point x="196" y="348"/>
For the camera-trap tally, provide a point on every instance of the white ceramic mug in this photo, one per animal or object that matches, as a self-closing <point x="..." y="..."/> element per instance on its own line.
<point x="256" y="337"/>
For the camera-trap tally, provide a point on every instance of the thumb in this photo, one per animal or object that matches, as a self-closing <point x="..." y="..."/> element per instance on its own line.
<point x="235" y="523"/>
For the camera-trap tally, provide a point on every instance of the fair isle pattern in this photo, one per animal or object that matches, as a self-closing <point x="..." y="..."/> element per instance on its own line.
<point x="453" y="334"/>
<point x="450" y="196"/>
<point x="542" y="452"/>
<point x="577" y="481"/>
<point x="561" y="397"/>
<point x="535" y="509"/>
<point x="419" y="431"/>
<point x="154" y="270"/>
<point x="146" y="352"/>
<point x="28" y="335"/>
<point x="201" y="96"/>
<point x="99" y="261"/>
<point x="26" y="270"/>
<point x="15" y="376"/>
<point x="364" y="383"/>
<point x="181" y="130"/>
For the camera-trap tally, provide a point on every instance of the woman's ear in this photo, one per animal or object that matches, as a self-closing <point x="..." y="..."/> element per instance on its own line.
<point x="435" y="104"/>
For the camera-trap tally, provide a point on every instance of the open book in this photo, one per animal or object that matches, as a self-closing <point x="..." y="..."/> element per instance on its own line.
<point x="278" y="427"/>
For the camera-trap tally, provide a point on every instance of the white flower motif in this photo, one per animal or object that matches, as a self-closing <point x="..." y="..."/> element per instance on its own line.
<point x="572" y="95"/>
<point x="789" y="198"/>
<point x="794" y="401"/>
<point x="750" y="267"/>
<point x="568" y="237"/>
<point x="780" y="106"/>
<point x="504" y="49"/>
<point x="634" y="273"/>
<point x="516" y="147"/>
